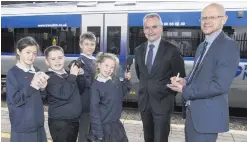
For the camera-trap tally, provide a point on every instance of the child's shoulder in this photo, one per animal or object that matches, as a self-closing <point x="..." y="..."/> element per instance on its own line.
<point x="13" y="70"/>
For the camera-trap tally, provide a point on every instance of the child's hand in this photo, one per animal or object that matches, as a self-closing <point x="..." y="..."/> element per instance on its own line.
<point x="81" y="71"/>
<point x="127" y="75"/>
<point x="74" y="69"/>
<point x="39" y="80"/>
<point x="35" y="82"/>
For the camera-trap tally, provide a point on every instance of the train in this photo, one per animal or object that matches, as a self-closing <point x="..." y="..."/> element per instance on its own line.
<point x="118" y="27"/>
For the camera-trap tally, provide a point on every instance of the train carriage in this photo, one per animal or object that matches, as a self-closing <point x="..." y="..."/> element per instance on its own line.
<point x="118" y="27"/>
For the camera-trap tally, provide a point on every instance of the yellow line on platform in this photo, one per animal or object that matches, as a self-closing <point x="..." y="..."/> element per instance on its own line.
<point x="7" y="135"/>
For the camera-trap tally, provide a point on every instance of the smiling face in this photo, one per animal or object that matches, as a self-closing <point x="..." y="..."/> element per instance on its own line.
<point x="55" y="60"/>
<point x="213" y="19"/>
<point x="152" y="28"/>
<point x="27" y="55"/>
<point x="107" y="67"/>
<point x="88" y="47"/>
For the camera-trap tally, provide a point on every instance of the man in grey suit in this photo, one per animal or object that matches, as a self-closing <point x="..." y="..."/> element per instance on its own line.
<point x="205" y="89"/>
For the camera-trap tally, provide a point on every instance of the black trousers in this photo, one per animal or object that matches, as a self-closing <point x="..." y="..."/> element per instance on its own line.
<point x="84" y="127"/>
<point x="156" y="126"/>
<point x="63" y="130"/>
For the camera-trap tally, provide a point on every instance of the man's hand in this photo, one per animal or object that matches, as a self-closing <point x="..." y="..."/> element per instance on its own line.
<point x="177" y="84"/>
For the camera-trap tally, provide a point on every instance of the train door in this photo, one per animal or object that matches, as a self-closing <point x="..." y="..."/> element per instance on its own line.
<point x="112" y="37"/>
<point x="110" y="31"/>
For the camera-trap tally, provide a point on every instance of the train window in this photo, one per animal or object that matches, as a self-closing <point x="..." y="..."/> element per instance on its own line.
<point x="171" y="34"/>
<point x="241" y="39"/>
<point x="136" y="38"/>
<point x="238" y="34"/>
<point x="66" y="37"/>
<point x="96" y="32"/>
<point x="186" y="39"/>
<point x="186" y="34"/>
<point x="113" y="39"/>
<point x="7" y="40"/>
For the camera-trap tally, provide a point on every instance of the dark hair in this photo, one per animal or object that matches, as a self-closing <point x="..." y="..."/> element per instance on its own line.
<point x="52" y="48"/>
<point x="89" y="36"/>
<point x="24" y="42"/>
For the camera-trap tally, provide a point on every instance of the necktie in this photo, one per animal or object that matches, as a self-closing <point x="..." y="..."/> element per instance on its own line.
<point x="198" y="62"/>
<point x="150" y="58"/>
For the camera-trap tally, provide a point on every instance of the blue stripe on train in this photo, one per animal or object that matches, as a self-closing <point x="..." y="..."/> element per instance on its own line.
<point x="134" y="19"/>
<point x="185" y="19"/>
<point x="121" y="58"/>
<point x="41" y="21"/>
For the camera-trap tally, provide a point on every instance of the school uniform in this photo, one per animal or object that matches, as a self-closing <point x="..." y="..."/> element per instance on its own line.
<point x="64" y="106"/>
<point x="106" y="108"/>
<point x="84" y="82"/>
<point x="25" y="106"/>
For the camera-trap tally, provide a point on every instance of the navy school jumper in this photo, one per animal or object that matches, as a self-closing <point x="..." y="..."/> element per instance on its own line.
<point x="85" y="81"/>
<point x="63" y="96"/>
<point x="106" y="103"/>
<point x="25" y="104"/>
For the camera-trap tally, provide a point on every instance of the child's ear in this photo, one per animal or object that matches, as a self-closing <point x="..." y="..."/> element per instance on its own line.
<point x="98" y="65"/>
<point x="46" y="62"/>
<point x="81" y="47"/>
<point x="18" y="52"/>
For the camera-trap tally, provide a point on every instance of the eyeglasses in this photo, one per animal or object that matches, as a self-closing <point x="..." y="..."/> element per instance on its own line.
<point x="211" y="18"/>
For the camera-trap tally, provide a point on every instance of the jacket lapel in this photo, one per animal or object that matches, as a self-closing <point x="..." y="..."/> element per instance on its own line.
<point x="209" y="52"/>
<point x="143" y="54"/>
<point x="158" y="58"/>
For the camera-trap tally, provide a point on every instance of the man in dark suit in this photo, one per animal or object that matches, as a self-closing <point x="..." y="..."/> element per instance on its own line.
<point x="205" y="89"/>
<point x="156" y="61"/>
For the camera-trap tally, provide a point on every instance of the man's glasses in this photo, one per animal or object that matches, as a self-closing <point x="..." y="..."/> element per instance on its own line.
<point x="211" y="18"/>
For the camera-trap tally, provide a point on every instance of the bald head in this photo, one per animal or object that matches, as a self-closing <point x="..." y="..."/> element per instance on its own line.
<point x="219" y="8"/>
<point x="213" y="18"/>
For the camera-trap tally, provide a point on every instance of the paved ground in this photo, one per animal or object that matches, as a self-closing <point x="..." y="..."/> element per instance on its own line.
<point x="134" y="131"/>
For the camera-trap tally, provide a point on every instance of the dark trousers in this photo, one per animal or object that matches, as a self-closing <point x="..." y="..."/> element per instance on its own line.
<point x="156" y="126"/>
<point x="191" y="135"/>
<point x="84" y="127"/>
<point x="63" y="130"/>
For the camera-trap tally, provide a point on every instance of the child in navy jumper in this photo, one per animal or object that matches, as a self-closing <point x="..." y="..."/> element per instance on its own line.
<point x="24" y="95"/>
<point x="106" y="100"/>
<point x="87" y="46"/>
<point x="64" y="101"/>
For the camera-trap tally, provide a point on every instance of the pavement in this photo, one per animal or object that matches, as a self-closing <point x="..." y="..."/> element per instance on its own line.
<point x="133" y="129"/>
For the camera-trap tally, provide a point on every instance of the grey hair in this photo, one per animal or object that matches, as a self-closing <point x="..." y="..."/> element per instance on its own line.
<point x="152" y="15"/>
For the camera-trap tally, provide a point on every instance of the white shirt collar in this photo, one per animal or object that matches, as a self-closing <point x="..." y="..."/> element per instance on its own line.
<point x="155" y="43"/>
<point x="102" y="79"/>
<point x="31" y="70"/>
<point x="89" y="57"/>
<point x="60" y="73"/>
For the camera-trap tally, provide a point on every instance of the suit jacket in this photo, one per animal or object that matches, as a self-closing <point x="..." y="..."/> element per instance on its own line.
<point x="208" y="91"/>
<point x="152" y="86"/>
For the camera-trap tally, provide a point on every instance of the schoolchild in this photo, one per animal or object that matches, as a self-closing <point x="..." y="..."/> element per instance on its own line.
<point x="106" y="100"/>
<point x="64" y="102"/>
<point x="24" y="85"/>
<point x="87" y="47"/>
